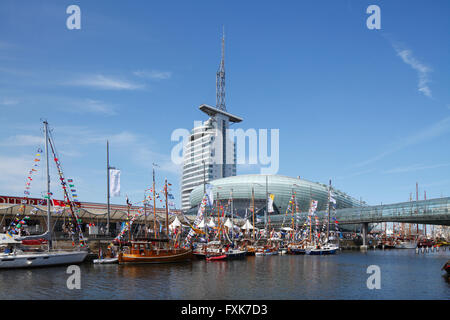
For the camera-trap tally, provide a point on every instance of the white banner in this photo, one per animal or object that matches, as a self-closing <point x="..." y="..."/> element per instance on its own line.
<point x="114" y="182"/>
<point x="209" y="192"/>
<point x="270" y="203"/>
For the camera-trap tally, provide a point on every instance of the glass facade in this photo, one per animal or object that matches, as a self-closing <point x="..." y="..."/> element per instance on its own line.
<point x="281" y="186"/>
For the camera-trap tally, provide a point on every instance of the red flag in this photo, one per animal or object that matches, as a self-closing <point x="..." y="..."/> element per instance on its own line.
<point x="58" y="203"/>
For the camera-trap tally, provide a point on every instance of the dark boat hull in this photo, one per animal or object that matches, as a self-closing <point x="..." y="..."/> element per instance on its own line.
<point x="297" y="251"/>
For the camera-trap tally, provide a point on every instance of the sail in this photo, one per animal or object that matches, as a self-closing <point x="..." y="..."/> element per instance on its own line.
<point x="45" y="236"/>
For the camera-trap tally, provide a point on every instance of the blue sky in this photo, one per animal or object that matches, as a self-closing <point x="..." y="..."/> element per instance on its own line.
<point x="369" y="109"/>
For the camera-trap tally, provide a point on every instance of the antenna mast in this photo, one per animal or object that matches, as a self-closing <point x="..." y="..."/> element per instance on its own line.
<point x="220" y="79"/>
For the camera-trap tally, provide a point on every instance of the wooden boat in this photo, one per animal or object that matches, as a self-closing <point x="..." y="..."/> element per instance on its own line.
<point x="296" y="249"/>
<point x="145" y="252"/>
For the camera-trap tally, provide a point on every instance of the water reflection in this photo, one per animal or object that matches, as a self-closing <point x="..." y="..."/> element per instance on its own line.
<point x="405" y="275"/>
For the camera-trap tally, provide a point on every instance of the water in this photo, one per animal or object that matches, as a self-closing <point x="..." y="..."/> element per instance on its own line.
<point x="404" y="275"/>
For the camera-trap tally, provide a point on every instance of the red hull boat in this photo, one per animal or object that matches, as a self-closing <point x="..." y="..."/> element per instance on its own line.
<point x="218" y="257"/>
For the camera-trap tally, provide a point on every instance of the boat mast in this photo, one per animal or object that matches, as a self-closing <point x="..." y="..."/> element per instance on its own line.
<point x="292" y="222"/>
<point x="145" y="215"/>
<point x="267" y="205"/>
<point x="232" y="216"/>
<point x="167" y="208"/>
<point x="253" y="210"/>
<point x="329" y="199"/>
<point x="49" y="230"/>
<point x="154" y="205"/>
<point x="218" y="217"/>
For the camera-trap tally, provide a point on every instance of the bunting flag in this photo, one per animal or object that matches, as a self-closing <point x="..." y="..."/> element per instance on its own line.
<point x="74" y="209"/>
<point x="198" y="219"/>
<point x="17" y="224"/>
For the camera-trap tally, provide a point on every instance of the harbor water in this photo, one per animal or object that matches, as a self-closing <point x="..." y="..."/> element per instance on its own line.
<point x="404" y="275"/>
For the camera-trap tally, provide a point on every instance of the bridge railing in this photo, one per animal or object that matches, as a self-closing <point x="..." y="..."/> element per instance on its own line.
<point x="424" y="210"/>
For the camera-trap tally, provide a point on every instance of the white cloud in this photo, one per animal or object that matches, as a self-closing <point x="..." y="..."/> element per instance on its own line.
<point x="94" y="106"/>
<point x="416" y="167"/>
<point x="422" y="70"/>
<point x="157" y="75"/>
<point x="8" y="102"/>
<point x="437" y="129"/>
<point x="106" y="83"/>
<point x="14" y="173"/>
<point x="22" y="140"/>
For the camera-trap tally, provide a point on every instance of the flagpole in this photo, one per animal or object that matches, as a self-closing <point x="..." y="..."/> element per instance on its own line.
<point x="167" y="209"/>
<point x="154" y="205"/>
<point x="329" y="199"/>
<point x="267" y="206"/>
<point x="107" y="191"/>
<point x="49" y="230"/>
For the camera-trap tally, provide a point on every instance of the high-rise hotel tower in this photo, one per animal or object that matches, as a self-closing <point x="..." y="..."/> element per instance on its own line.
<point x="209" y="154"/>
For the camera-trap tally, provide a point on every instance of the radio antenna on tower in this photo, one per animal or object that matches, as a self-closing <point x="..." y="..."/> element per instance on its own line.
<point x="220" y="79"/>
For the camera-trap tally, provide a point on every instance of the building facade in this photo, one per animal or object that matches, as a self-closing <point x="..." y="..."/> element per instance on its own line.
<point x="209" y="153"/>
<point x="240" y="189"/>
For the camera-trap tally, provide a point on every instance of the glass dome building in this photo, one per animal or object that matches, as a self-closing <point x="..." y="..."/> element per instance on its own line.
<point x="282" y="187"/>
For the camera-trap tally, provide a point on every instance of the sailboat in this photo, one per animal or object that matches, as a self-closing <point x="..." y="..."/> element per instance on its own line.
<point x="15" y="257"/>
<point x="327" y="247"/>
<point x="158" y="249"/>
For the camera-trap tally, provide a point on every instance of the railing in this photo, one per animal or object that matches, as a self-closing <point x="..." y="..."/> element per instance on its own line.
<point x="433" y="211"/>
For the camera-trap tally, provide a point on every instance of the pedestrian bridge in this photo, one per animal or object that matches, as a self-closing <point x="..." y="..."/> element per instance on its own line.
<point x="433" y="211"/>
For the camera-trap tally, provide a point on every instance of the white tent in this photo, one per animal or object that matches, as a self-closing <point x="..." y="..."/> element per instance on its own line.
<point x="228" y="223"/>
<point x="201" y="225"/>
<point x="287" y="229"/>
<point x="247" y="225"/>
<point x="211" y="223"/>
<point x="175" y="223"/>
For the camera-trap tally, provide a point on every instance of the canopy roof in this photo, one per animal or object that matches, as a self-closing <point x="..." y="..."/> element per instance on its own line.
<point x="247" y="225"/>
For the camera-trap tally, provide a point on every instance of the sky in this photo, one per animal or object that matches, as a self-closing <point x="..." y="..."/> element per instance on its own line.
<point x="367" y="108"/>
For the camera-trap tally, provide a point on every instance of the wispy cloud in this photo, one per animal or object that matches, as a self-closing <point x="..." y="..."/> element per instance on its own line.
<point x="22" y="140"/>
<point x="8" y="102"/>
<point x="433" y="131"/>
<point x="156" y="75"/>
<point x="422" y="70"/>
<point x="355" y="174"/>
<point x="94" y="106"/>
<point x="14" y="170"/>
<point x="99" y="81"/>
<point x="416" y="167"/>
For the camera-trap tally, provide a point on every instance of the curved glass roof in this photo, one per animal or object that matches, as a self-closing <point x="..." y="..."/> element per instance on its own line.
<point x="281" y="186"/>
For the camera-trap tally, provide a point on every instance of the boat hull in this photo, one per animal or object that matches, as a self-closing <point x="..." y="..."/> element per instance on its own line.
<point x="236" y="255"/>
<point x="297" y="251"/>
<point x="106" y="261"/>
<point x="216" y="257"/>
<point x="406" y="245"/>
<point x="161" y="256"/>
<point x="41" y="259"/>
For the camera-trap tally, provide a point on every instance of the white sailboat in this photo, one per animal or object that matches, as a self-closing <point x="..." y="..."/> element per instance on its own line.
<point x="14" y="257"/>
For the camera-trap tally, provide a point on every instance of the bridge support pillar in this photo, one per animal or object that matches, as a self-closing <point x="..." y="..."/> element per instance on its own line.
<point x="364" y="233"/>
